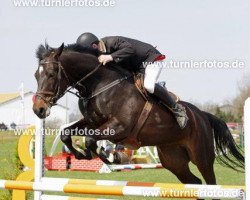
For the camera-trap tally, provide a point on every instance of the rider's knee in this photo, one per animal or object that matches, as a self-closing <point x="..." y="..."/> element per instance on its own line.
<point x="149" y="86"/>
<point x="151" y="75"/>
<point x="149" y="83"/>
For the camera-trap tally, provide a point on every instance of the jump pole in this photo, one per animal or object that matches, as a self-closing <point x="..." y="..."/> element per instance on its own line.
<point x="39" y="154"/>
<point x="134" y="166"/>
<point x="47" y="180"/>
<point x="125" y="190"/>
<point x="57" y="197"/>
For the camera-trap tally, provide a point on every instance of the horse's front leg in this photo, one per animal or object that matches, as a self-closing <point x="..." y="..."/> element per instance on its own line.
<point x="116" y="129"/>
<point x="69" y="130"/>
<point x="99" y="151"/>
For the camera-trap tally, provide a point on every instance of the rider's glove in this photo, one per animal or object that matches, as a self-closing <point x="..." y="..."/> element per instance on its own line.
<point x="104" y="59"/>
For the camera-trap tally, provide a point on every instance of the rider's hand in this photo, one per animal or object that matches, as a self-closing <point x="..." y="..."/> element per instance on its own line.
<point x="104" y="59"/>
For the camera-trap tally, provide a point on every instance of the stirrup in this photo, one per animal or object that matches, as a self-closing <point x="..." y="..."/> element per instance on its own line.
<point x="181" y="115"/>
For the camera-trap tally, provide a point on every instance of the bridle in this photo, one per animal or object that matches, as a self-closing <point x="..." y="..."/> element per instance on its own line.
<point x="52" y="101"/>
<point x="41" y="93"/>
<point x="55" y="96"/>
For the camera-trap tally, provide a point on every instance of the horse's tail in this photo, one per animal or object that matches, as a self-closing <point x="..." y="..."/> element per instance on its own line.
<point x="228" y="153"/>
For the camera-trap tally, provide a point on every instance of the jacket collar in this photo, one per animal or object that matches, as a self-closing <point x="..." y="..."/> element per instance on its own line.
<point x="102" y="47"/>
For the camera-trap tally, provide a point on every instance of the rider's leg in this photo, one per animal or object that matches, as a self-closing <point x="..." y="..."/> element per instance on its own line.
<point x="152" y="73"/>
<point x="178" y="110"/>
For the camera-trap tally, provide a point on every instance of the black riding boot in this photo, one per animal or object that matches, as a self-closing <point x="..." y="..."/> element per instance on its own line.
<point x="178" y="110"/>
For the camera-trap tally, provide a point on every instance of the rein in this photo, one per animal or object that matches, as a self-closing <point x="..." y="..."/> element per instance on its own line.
<point x="78" y="83"/>
<point x="106" y="87"/>
<point x="52" y="101"/>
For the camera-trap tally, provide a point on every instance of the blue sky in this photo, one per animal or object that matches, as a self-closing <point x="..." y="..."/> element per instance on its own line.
<point x="183" y="30"/>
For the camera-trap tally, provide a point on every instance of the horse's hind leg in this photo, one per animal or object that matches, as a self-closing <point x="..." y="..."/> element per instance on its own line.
<point x="176" y="159"/>
<point x="203" y="158"/>
<point x="205" y="164"/>
<point x="208" y="174"/>
<point x="207" y="171"/>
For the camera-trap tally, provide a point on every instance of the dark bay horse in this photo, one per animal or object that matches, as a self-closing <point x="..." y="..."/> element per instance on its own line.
<point x="119" y="107"/>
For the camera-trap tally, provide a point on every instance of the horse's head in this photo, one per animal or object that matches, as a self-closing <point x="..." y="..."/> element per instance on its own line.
<point x="49" y="80"/>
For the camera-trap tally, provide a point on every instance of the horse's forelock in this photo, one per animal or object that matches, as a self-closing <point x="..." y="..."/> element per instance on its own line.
<point x="41" y="52"/>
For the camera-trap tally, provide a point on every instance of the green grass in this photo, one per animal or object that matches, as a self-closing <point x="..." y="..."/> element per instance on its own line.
<point x="8" y="145"/>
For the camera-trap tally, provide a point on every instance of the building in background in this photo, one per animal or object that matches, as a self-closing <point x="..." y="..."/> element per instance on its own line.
<point x="11" y="110"/>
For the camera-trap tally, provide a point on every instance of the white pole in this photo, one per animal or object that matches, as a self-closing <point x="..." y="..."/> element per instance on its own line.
<point x="156" y="153"/>
<point x="247" y="147"/>
<point x="39" y="152"/>
<point x="148" y="150"/>
<point x="54" y="145"/>
<point x="66" y="111"/>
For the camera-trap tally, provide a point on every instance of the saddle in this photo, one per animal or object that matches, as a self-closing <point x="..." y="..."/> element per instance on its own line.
<point x="139" y="83"/>
<point x="132" y="140"/>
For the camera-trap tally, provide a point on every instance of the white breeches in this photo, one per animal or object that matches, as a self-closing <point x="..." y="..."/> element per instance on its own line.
<point x="152" y="73"/>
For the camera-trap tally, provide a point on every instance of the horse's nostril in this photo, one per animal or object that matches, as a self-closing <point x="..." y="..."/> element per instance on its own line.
<point x="41" y="111"/>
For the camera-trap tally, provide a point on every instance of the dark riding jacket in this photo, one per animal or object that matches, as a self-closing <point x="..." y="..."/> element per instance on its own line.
<point x="130" y="53"/>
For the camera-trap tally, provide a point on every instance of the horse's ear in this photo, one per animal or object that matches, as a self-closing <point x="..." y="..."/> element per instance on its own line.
<point x="59" y="51"/>
<point x="46" y="45"/>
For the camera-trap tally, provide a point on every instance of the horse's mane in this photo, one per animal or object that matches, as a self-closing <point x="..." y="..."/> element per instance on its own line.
<point x="82" y="49"/>
<point x="44" y="50"/>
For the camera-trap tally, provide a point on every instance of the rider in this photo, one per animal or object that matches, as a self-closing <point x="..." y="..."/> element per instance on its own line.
<point x="141" y="57"/>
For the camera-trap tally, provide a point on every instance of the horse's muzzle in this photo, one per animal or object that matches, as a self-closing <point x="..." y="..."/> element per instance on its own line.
<point x="40" y="108"/>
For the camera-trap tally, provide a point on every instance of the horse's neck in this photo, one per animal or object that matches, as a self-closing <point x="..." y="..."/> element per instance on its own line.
<point x="78" y="65"/>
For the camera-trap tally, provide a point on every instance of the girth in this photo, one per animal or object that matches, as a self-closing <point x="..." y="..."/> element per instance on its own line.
<point x="132" y="140"/>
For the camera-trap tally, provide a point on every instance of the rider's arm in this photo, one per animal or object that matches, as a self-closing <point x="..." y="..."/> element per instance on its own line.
<point x="122" y="50"/>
